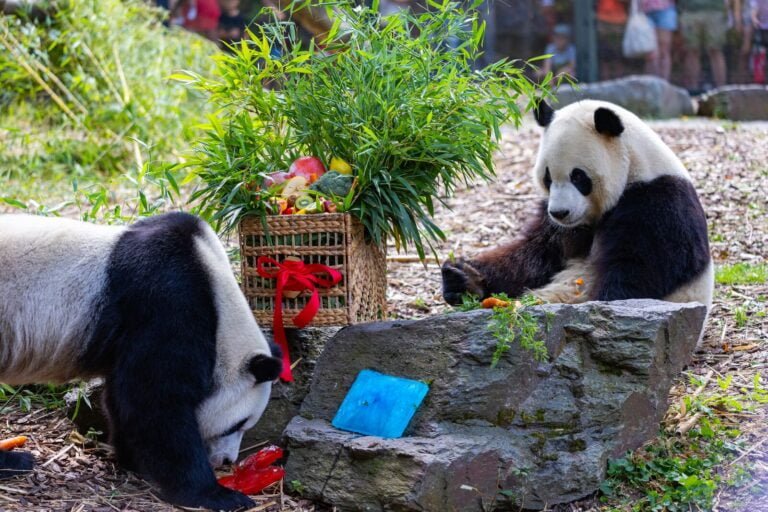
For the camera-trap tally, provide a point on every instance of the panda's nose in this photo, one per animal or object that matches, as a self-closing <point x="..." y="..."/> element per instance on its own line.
<point x="227" y="461"/>
<point x="559" y="214"/>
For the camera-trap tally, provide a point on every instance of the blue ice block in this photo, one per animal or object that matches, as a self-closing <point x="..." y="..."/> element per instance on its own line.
<point x="379" y="405"/>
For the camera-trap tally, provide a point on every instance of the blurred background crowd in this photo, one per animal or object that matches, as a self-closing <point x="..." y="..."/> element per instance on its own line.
<point x="700" y="44"/>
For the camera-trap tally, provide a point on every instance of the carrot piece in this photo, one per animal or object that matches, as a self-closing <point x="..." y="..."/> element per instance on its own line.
<point x="579" y="282"/>
<point x="7" y="445"/>
<point x="493" y="302"/>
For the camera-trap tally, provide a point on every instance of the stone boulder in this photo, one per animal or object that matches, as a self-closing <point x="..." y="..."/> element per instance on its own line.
<point x="645" y="95"/>
<point x="519" y="434"/>
<point x="736" y="102"/>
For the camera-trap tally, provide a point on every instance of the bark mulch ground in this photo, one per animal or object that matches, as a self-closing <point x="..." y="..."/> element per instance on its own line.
<point x="729" y="164"/>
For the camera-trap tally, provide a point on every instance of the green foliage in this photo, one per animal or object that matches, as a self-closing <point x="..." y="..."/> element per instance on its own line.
<point x="742" y="273"/>
<point x="385" y="94"/>
<point x="48" y="396"/>
<point x="510" y="323"/>
<point x="84" y="98"/>
<point x="740" y="316"/>
<point x="682" y="473"/>
<point x="469" y="302"/>
<point x="514" y="322"/>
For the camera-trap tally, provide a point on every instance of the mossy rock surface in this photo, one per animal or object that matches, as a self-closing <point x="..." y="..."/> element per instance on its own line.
<point x="542" y="431"/>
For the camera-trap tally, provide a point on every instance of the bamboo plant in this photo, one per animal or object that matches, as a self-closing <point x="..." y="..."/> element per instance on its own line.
<point x="409" y="112"/>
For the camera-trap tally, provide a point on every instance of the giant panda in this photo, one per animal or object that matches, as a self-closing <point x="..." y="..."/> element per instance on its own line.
<point x="621" y="216"/>
<point x="155" y="310"/>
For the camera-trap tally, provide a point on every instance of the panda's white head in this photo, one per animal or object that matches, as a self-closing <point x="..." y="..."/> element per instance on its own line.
<point x="245" y="363"/>
<point x="236" y="406"/>
<point x="582" y="163"/>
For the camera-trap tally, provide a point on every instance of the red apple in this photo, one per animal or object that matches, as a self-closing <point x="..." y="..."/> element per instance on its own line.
<point x="307" y="166"/>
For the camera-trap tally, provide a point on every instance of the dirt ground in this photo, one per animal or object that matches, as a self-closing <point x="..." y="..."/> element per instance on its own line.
<point x="729" y="164"/>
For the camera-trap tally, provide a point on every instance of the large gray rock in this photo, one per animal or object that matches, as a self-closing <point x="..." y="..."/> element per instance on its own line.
<point x="540" y="432"/>
<point x="736" y="102"/>
<point x="645" y="95"/>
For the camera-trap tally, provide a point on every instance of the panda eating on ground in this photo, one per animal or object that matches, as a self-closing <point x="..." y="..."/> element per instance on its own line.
<point x="622" y="219"/>
<point x="154" y="309"/>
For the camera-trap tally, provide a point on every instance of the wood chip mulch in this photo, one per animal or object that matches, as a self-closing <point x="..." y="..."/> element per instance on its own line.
<point x="729" y="164"/>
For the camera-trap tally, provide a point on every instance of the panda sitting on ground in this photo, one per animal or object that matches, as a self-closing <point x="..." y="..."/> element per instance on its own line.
<point x="621" y="214"/>
<point x="153" y="308"/>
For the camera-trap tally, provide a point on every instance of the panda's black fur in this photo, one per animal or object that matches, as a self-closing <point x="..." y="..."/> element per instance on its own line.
<point x="646" y="240"/>
<point x="154" y="339"/>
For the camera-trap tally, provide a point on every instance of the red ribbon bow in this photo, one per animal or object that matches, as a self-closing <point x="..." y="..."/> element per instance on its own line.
<point x="298" y="277"/>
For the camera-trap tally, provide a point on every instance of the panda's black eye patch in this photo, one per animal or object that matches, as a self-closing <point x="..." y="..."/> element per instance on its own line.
<point x="547" y="179"/>
<point x="581" y="181"/>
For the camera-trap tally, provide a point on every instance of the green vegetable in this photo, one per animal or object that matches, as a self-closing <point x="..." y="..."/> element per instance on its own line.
<point x="333" y="183"/>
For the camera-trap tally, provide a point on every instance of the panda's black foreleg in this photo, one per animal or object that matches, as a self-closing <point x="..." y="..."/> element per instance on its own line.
<point x="165" y="447"/>
<point x="156" y="435"/>
<point x="527" y="263"/>
<point x="15" y="463"/>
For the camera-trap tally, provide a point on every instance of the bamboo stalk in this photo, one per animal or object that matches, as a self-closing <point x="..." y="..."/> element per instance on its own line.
<point x="104" y="75"/>
<point x="121" y="75"/>
<point x="50" y="74"/>
<point x="37" y="78"/>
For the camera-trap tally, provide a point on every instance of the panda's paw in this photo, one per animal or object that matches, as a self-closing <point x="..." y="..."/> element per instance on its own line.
<point x="15" y="463"/>
<point x="218" y="498"/>
<point x="459" y="279"/>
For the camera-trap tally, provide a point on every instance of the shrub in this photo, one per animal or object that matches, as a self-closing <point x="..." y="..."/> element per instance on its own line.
<point x="386" y="94"/>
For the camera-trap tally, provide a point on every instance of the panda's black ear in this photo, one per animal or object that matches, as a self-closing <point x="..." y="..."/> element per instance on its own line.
<point x="265" y="368"/>
<point x="607" y="122"/>
<point x="543" y="113"/>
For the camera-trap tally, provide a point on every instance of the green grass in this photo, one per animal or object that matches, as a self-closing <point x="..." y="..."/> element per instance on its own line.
<point x="48" y="396"/>
<point x="684" y="472"/>
<point x="88" y="115"/>
<point x="742" y="273"/>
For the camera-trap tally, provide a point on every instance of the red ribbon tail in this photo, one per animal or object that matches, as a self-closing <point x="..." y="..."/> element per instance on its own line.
<point x="306" y="315"/>
<point x="286" y="375"/>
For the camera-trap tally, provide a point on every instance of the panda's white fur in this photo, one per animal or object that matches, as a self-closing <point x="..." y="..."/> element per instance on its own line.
<point x="52" y="272"/>
<point x="621" y="219"/>
<point x="56" y="306"/>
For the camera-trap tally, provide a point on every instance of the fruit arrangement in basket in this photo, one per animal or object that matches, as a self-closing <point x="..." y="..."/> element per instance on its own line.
<point x="307" y="187"/>
<point x="375" y="120"/>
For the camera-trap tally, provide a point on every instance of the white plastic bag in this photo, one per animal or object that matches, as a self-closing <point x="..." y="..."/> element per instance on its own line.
<point x="639" y="34"/>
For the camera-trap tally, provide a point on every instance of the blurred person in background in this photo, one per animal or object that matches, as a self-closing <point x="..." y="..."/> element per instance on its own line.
<point x="231" y="23"/>
<point x="563" y="60"/>
<point x="758" y="13"/>
<point x="200" y="16"/>
<point x="611" y="18"/>
<point x="663" y="15"/>
<point x="704" y="25"/>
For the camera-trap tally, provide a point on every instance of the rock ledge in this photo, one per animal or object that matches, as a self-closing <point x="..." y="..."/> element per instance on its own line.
<point x="540" y="432"/>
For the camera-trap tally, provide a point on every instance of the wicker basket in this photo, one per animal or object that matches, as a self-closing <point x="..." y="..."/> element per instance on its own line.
<point x="336" y="240"/>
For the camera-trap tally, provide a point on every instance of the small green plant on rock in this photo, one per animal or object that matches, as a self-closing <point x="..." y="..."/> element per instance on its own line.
<point x="511" y="320"/>
<point x="515" y="322"/>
